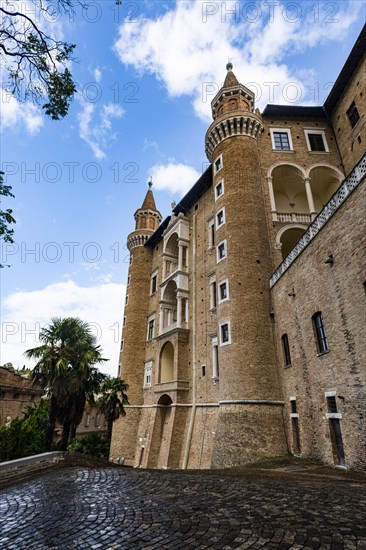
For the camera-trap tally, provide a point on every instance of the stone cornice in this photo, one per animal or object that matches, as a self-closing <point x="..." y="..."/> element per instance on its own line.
<point x="137" y="240"/>
<point x="242" y="123"/>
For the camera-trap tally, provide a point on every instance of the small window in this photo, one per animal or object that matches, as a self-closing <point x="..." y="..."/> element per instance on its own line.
<point x="122" y="344"/>
<point x="203" y="371"/>
<point x="184" y="256"/>
<point x="286" y="351"/>
<point x="147" y="374"/>
<point x="316" y="141"/>
<point x="221" y="251"/>
<point x="353" y="115"/>
<point x="128" y="280"/>
<point x="223" y="291"/>
<point x="97" y="420"/>
<point x="332" y="404"/>
<point x="124" y="320"/>
<point x="150" y="329"/>
<point x="126" y="300"/>
<point x="154" y="280"/>
<point x="281" y="140"/>
<point x="87" y="420"/>
<point x="219" y="189"/>
<point x="218" y="164"/>
<point x="215" y="359"/>
<point x="293" y="406"/>
<point x="211" y="233"/>
<point x="220" y="218"/>
<point x="321" y="336"/>
<point x="213" y="295"/>
<point x="225" y="334"/>
<point x="131" y="259"/>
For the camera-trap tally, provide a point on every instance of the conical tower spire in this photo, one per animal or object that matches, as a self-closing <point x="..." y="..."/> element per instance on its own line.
<point x="232" y="97"/>
<point x="148" y="217"/>
<point x="230" y="79"/>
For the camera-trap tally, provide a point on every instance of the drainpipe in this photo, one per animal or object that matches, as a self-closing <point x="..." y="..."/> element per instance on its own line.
<point x="193" y="332"/>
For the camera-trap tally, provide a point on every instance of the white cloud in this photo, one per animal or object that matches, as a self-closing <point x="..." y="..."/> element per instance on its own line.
<point x="18" y="115"/>
<point x="97" y="75"/>
<point x="100" y="305"/>
<point x="98" y="134"/>
<point x="203" y="35"/>
<point x="175" y="178"/>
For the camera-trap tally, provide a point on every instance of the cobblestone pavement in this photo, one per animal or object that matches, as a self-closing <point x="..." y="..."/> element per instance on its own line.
<point x="129" y="509"/>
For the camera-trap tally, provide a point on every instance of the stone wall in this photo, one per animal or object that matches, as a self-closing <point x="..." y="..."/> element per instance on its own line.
<point x="337" y="290"/>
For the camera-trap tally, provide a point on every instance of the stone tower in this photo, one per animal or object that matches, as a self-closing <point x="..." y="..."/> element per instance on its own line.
<point x="133" y="340"/>
<point x="250" y="420"/>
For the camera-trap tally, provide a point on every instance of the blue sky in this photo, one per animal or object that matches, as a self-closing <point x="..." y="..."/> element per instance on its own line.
<point x="146" y="74"/>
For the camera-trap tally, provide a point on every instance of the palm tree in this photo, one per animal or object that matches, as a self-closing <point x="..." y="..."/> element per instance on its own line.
<point x="112" y="401"/>
<point x="65" y="361"/>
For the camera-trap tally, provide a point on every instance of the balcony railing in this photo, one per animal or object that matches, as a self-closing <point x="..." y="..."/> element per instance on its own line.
<point x="339" y="197"/>
<point x="291" y="217"/>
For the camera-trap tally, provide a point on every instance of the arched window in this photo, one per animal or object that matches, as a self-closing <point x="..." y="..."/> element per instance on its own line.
<point x="167" y="363"/>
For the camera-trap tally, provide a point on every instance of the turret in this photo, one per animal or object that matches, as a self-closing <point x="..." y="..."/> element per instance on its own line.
<point x="246" y="352"/>
<point x="147" y="220"/>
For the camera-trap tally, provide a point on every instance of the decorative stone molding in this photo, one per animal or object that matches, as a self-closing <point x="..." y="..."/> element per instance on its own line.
<point x="340" y="196"/>
<point x="136" y="240"/>
<point x="244" y="124"/>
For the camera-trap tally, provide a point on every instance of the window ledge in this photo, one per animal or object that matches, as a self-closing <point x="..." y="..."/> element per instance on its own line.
<point x="319" y="152"/>
<point x="283" y="150"/>
<point x="288" y="366"/>
<point x="322" y="353"/>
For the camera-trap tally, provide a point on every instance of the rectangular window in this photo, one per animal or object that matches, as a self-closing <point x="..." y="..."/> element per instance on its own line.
<point x="148" y="374"/>
<point x="211" y="233"/>
<point x="353" y="115"/>
<point x="97" y="420"/>
<point x="128" y="280"/>
<point x="150" y="329"/>
<point x="225" y="337"/>
<point x="316" y="142"/>
<point x="124" y="321"/>
<point x="154" y="281"/>
<point x="281" y="141"/>
<point x="286" y="350"/>
<point x="87" y="420"/>
<point x="219" y="189"/>
<point x="332" y="404"/>
<point x="213" y="294"/>
<point x="218" y="164"/>
<point x="321" y="336"/>
<point x="223" y="291"/>
<point x="220" y="218"/>
<point x="215" y="359"/>
<point x="293" y="406"/>
<point x="184" y="256"/>
<point x="126" y="300"/>
<point x="221" y="251"/>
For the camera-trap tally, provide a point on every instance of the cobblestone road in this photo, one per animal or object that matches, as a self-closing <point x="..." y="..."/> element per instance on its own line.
<point x="129" y="509"/>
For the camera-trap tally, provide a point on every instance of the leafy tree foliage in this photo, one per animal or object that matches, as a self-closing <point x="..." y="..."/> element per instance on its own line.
<point x="112" y="400"/>
<point x="65" y="369"/>
<point x="6" y="216"/>
<point x="35" y="61"/>
<point x="25" y="436"/>
<point x="93" y="444"/>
